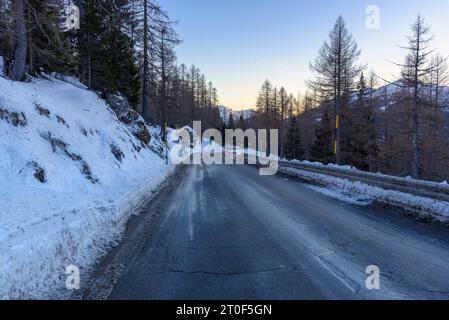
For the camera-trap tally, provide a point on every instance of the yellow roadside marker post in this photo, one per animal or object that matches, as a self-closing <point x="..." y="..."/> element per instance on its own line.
<point x="166" y="142"/>
<point x="337" y="125"/>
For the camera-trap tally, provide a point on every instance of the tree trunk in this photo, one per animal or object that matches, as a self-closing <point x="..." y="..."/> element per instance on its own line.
<point x="282" y="128"/>
<point x="145" y="61"/>
<point x="415" y="148"/>
<point x="163" y="86"/>
<point x="18" y="68"/>
<point x="30" y="49"/>
<point x="415" y="126"/>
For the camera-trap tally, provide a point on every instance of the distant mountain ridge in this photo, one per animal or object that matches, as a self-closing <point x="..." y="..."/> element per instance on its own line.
<point x="225" y="112"/>
<point x="392" y="90"/>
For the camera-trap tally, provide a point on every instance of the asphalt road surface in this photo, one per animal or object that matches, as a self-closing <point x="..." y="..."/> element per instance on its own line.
<point x="225" y="232"/>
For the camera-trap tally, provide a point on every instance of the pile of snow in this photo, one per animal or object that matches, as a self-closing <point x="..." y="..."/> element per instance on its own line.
<point x="72" y="80"/>
<point x="71" y="174"/>
<point x="322" y="165"/>
<point x="360" y="193"/>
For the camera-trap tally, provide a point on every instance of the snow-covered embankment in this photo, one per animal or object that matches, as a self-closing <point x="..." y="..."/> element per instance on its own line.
<point x="70" y="175"/>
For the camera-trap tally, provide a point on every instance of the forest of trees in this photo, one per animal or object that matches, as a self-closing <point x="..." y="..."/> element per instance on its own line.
<point x="124" y="46"/>
<point x="353" y="117"/>
<point x="348" y="115"/>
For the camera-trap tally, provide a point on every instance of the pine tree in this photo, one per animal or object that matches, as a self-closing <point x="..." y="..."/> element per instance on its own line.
<point x="231" y="124"/>
<point x="89" y="44"/>
<point x="414" y="71"/>
<point x="322" y="150"/>
<point x="283" y="106"/>
<point x="293" y="148"/>
<point x="106" y="53"/>
<point x="362" y="89"/>
<point x="264" y="105"/>
<point x="241" y="123"/>
<point x="439" y="77"/>
<point x="6" y="45"/>
<point x="335" y="71"/>
<point x="46" y="46"/>
<point x="31" y="37"/>
<point x="360" y="147"/>
<point x="265" y="102"/>
<point x="118" y="61"/>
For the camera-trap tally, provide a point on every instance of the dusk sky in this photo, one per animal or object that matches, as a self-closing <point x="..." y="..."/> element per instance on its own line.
<point x="240" y="43"/>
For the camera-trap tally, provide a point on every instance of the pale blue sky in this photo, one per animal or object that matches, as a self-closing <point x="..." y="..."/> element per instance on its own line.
<point x="240" y="43"/>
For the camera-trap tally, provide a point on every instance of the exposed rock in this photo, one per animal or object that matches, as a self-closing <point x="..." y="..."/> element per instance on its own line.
<point x="39" y="174"/>
<point x="118" y="154"/>
<point x="55" y="143"/>
<point x="136" y="148"/>
<point x="158" y="148"/>
<point x="88" y="173"/>
<point x="137" y="126"/>
<point x="18" y="119"/>
<point x="14" y="118"/>
<point x="140" y="131"/>
<point x="43" y="111"/>
<point x="119" y="104"/>
<point x="121" y="107"/>
<point x="62" y="121"/>
<point x="131" y="117"/>
<point x="60" y="145"/>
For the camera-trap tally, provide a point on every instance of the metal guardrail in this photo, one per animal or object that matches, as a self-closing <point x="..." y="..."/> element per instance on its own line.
<point x="420" y="188"/>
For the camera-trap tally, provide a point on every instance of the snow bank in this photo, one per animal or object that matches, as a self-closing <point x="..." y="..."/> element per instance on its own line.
<point x="94" y="173"/>
<point x="321" y="165"/>
<point x="360" y="193"/>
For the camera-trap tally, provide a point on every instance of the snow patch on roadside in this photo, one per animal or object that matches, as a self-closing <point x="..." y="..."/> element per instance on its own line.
<point x="357" y="199"/>
<point x="356" y="192"/>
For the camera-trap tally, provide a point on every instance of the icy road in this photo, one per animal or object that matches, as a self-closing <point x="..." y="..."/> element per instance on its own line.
<point x="224" y="232"/>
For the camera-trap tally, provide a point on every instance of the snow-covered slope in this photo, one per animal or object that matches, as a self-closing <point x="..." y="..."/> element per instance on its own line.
<point x="70" y="175"/>
<point x="225" y="112"/>
<point x="390" y="91"/>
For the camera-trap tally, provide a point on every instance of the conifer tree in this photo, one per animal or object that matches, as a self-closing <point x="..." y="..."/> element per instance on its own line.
<point x="414" y="70"/>
<point x="322" y="150"/>
<point x="335" y="70"/>
<point x="231" y="124"/>
<point x="293" y="148"/>
<point x="106" y="54"/>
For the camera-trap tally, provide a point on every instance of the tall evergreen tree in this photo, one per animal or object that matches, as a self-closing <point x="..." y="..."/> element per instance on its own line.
<point x="231" y="124"/>
<point x="322" y="149"/>
<point x="335" y="71"/>
<point x="106" y="54"/>
<point x="265" y="102"/>
<point x="360" y="148"/>
<point x="293" y="148"/>
<point x="439" y="77"/>
<point x="283" y="106"/>
<point x="414" y="71"/>
<point x="241" y="123"/>
<point x="119" y="63"/>
<point x="47" y="49"/>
